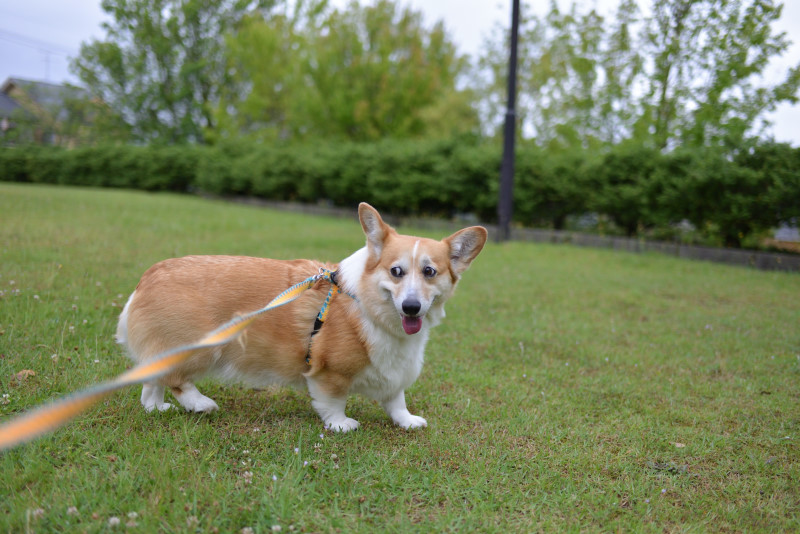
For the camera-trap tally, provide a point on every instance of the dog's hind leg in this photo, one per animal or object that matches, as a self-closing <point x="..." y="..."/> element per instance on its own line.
<point x="152" y="393"/>
<point x="191" y="398"/>
<point x="153" y="398"/>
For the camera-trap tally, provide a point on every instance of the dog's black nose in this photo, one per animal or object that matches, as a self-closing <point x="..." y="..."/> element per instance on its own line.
<point x="411" y="307"/>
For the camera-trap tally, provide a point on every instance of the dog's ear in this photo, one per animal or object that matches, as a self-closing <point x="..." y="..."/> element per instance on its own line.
<point x="465" y="245"/>
<point x="374" y="228"/>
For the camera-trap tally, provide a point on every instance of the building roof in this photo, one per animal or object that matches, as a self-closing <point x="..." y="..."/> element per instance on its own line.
<point x="45" y="94"/>
<point x="7" y="105"/>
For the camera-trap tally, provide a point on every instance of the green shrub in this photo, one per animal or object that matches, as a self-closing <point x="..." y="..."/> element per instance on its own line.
<point x="15" y="164"/>
<point x="275" y="172"/>
<point x="45" y="165"/>
<point x="779" y="166"/>
<point x="550" y="187"/>
<point x="214" y="172"/>
<point x="405" y="178"/>
<point x="472" y="177"/>
<point x="171" y="168"/>
<point x="637" y="187"/>
<point x="732" y="201"/>
<point x="621" y="184"/>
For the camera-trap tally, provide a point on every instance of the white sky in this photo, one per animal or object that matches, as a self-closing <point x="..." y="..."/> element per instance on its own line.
<point x="38" y="36"/>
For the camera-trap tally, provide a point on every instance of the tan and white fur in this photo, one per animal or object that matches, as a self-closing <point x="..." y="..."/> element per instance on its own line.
<point x="372" y="342"/>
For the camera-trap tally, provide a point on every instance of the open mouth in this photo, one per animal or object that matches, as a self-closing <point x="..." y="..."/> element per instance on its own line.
<point x="411" y="325"/>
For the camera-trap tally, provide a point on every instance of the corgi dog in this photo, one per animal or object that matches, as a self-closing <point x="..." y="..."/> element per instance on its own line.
<point x="372" y="342"/>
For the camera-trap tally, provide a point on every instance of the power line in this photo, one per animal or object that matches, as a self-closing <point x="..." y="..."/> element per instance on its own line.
<point x="38" y="44"/>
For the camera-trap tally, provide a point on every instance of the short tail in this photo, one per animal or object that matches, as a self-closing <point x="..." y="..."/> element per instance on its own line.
<point x="122" y="326"/>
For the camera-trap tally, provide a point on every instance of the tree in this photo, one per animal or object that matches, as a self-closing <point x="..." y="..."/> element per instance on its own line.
<point x="622" y="64"/>
<point x="707" y="55"/>
<point x="558" y="76"/>
<point x="688" y="74"/>
<point x="360" y="73"/>
<point x="671" y="38"/>
<point x="161" y="67"/>
<point x="264" y="58"/>
<point x="562" y="78"/>
<point x="738" y="47"/>
<point x="576" y="76"/>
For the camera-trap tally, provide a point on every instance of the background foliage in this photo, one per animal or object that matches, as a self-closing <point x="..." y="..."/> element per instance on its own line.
<point x="632" y="123"/>
<point x="669" y="74"/>
<point x="636" y="189"/>
<point x="687" y="74"/>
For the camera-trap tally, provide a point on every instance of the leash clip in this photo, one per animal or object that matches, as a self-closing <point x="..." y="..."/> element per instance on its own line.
<point x="325" y="274"/>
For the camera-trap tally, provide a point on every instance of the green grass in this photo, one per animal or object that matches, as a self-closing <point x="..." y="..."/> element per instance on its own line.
<point x="557" y="392"/>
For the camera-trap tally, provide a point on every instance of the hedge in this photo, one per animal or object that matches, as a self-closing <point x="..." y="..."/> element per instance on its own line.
<point x="637" y="188"/>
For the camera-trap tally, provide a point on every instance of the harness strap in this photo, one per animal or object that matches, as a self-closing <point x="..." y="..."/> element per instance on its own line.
<point x="323" y="312"/>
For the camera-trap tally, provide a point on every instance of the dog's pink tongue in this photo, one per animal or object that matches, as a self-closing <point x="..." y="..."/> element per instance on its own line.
<point x="412" y="325"/>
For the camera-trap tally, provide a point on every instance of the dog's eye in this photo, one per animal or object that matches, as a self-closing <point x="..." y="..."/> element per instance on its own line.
<point x="429" y="272"/>
<point x="397" y="272"/>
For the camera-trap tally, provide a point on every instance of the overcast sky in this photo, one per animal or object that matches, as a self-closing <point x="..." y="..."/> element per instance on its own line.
<point x="37" y="37"/>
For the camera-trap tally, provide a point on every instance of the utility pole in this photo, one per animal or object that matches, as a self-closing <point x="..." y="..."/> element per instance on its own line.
<point x="46" y="64"/>
<point x="505" y="203"/>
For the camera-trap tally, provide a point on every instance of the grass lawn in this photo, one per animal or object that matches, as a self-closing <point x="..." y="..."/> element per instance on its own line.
<point x="569" y="389"/>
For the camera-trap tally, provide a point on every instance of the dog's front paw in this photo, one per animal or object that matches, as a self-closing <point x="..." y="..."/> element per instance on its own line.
<point x="160" y="406"/>
<point x="342" y="425"/>
<point x="409" y="421"/>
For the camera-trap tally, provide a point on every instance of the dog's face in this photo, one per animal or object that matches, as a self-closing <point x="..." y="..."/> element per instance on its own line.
<point x="410" y="278"/>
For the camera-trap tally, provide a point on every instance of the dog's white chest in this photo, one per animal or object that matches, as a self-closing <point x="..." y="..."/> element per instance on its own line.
<point x="395" y="364"/>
